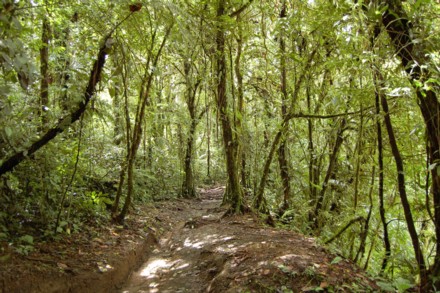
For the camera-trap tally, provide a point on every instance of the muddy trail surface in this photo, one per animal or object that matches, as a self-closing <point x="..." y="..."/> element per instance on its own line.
<point x="206" y="252"/>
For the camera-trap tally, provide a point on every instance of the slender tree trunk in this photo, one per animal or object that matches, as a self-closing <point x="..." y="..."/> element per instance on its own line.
<point x="402" y="188"/>
<point x="386" y="238"/>
<point x="383" y="219"/>
<point x="95" y="75"/>
<point x="282" y="153"/>
<point x="44" y="72"/>
<point x="260" y="201"/>
<point x="188" y="185"/>
<point x="64" y="65"/>
<point x="397" y="25"/>
<point x="359" y="148"/>
<point x="313" y="161"/>
<point x="366" y="228"/>
<point x="208" y="144"/>
<point x="241" y="154"/>
<point x="332" y="164"/>
<point x="123" y="170"/>
<point x="234" y="193"/>
<point x="144" y="100"/>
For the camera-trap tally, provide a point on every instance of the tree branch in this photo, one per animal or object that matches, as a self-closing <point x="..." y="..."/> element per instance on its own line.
<point x="9" y="164"/>
<point x="355" y="220"/>
<point x="241" y="9"/>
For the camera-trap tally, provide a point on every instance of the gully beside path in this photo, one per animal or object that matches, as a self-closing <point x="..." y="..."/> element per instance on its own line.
<point x="208" y="253"/>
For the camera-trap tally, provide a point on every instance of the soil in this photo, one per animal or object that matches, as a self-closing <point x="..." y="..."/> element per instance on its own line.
<point x="183" y="246"/>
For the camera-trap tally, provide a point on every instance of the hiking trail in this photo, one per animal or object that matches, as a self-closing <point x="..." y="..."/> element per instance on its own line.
<point x="208" y="253"/>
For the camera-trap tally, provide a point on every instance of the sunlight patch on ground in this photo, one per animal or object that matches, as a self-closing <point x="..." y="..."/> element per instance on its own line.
<point x="209" y="216"/>
<point x="194" y="244"/>
<point x="153" y="267"/>
<point x="289" y="257"/>
<point x="158" y="266"/>
<point x="209" y="239"/>
<point x="230" y="248"/>
<point x="182" y="266"/>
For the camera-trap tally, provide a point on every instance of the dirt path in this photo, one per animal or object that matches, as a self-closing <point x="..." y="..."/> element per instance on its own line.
<point x="176" y="265"/>
<point x="181" y="246"/>
<point x="205" y="253"/>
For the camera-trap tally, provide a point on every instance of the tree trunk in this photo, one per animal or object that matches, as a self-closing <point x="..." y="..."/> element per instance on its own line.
<point x="260" y="201"/>
<point x="44" y="72"/>
<point x="144" y="99"/>
<point x="188" y="186"/>
<point x="64" y="64"/>
<point x="314" y="170"/>
<point x="402" y="189"/>
<point x="366" y="228"/>
<point x="386" y="238"/>
<point x="95" y="75"/>
<point x="234" y="192"/>
<point x="282" y="154"/>
<point x="397" y="25"/>
<point x="241" y="154"/>
<point x="123" y="170"/>
<point x="332" y="164"/>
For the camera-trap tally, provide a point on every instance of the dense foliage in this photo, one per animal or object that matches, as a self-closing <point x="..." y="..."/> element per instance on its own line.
<point x="304" y="108"/>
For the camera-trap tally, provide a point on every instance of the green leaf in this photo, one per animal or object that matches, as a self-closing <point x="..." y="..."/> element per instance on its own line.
<point x="63" y="223"/>
<point x="27" y="239"/>
<point x="417" y="83"/>
<point x="387" y="287"/>
<point x="402" y="284"/>
<point x="8" y="131"/>
<point x="336" y="260"/>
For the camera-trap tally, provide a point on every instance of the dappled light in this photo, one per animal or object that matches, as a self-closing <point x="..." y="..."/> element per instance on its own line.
<point x="154" y="266"/>
<point x="216" y="252"/>
<point x="219" y="146"/>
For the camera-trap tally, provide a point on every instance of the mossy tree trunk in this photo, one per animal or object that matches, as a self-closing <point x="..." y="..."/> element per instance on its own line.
<point x="144" y="100"/>
<point x="282" y="149"/>
<point x="188" y="185"/>
<point x="234" y="192"/>
<point x="398" y="26"/>
<point x="44" y="71"/>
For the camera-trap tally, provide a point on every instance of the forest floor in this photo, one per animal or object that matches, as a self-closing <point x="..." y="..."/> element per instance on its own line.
<point x="183" y="246"/>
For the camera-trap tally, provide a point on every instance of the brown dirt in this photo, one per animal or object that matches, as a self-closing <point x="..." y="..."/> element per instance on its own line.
<point x="198" y="251"/>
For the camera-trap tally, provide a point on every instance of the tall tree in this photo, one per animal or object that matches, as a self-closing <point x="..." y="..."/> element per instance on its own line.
<point x="143" y="101"/>
<point x="192" y="83"/>
<point x="282" y="149"/>
<point x="44" y="71"/>
<point x="95" y="75"/>
<point x="234" y="191"/>
<point x="413" y="57"/>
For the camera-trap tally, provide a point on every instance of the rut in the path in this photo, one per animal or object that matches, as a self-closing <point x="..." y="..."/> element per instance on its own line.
<point x="177" y="264"/>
